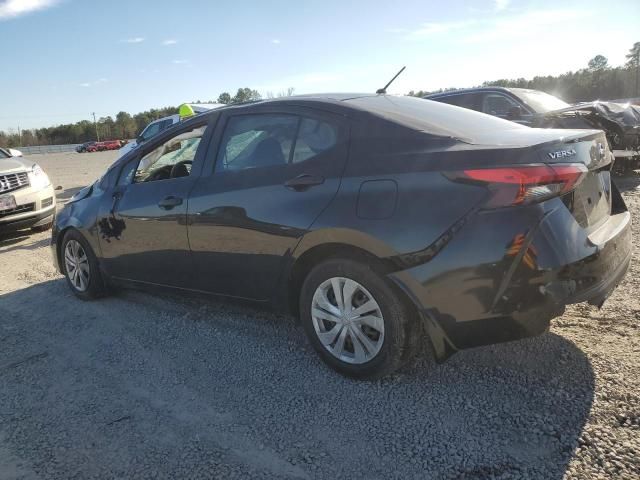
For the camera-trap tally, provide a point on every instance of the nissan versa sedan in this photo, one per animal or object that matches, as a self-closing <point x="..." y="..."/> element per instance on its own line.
<point x="378" y="220"/>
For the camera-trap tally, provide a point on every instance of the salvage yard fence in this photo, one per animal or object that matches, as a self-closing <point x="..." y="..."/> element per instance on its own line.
<point x="36" y="150"/>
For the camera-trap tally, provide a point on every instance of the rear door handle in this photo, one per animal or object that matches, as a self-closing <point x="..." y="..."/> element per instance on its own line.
<point x="169" y="202"/>
<point x="304" y="182"/>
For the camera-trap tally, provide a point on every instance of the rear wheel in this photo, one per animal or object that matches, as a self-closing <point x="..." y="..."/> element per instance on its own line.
<point x="80" y="267"/>
<point x="354" y="320"/>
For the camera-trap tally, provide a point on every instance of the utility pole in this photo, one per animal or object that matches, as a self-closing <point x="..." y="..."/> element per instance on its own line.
<point x="96" y="125"/>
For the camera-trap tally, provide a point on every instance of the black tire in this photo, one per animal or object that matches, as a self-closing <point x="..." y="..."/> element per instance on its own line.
<point x="400" y="325"/>
<point x="96" y="287"/>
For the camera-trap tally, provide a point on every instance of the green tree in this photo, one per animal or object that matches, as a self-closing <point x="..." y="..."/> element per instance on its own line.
<point x="125" y="125"/>
<point x="246" y="95"/>
<point x="633" y="63"/>
<point x="599" y="62"/>
<point x="633" y="57"/>
<point x="225" y="98"/>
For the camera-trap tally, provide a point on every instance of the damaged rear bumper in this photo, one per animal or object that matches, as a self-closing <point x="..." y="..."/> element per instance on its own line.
<point x="513" y="272"/>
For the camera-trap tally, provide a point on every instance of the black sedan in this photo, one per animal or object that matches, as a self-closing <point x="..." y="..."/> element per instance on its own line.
<point x="378" y="220"/>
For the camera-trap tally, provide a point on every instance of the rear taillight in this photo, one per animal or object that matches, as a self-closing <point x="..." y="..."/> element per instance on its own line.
<point x="521" y="185"/>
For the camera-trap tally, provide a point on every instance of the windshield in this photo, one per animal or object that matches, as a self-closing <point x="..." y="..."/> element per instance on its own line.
<point x="541" y="102"/>
<point x="3" y="154"/>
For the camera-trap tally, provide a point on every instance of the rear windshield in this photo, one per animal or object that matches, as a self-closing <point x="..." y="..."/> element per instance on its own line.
<point x="433" y="117"/>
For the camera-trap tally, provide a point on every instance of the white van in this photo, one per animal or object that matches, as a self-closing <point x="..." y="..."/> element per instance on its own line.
<point x="161" y="124"/>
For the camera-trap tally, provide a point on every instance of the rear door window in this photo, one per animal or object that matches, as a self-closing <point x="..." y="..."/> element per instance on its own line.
<point x="314" y="137"/>
<point x="152" y="130"/>
<point x="498" y="105"/>
<point x="261" y="140"/>
<point x="166" y="124"/>
<point x="251" y="141"/>
<point x="464" y="100"/>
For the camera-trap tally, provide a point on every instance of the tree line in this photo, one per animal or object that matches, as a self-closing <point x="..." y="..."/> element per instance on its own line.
<point x="597" y="81"/>
<point x="123" y="126"/>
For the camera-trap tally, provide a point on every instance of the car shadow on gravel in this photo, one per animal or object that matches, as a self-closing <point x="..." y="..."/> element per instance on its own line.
<point x="628" y="182"/>
<point x="11" y="238"/>
<point x="222" y="386"/>
<point x="63" y="196"/>
<point x="16" y="244"/>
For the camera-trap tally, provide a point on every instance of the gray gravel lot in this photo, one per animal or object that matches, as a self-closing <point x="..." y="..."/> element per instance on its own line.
<point x="154" y="386"/>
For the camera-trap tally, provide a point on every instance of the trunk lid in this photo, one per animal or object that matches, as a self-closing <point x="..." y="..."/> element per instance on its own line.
<point x="590" y="201"/>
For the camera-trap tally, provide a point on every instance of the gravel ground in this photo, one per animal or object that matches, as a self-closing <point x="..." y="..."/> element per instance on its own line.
<point x="145" y="386"/>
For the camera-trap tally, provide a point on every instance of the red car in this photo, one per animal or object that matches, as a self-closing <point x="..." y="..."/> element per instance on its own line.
<point x="106" y="145"/>
<point x="110" y="145"/>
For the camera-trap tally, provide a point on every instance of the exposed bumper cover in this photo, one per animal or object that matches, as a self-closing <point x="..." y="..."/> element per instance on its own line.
<point x="505" y="275"/>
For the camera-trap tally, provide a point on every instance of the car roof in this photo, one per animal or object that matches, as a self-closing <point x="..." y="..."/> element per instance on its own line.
<point x="336" y="102"/>
<point x="324" y="101"/>
<point x="462" y="91"/>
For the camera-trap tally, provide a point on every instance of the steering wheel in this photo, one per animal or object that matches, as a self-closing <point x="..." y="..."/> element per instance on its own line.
<point x="176" y="168"/>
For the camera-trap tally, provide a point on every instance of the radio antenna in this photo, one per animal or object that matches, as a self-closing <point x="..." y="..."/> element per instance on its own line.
<point x="384" y="89"/>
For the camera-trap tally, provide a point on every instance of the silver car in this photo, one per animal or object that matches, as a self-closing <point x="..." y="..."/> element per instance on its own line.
<point x="27" y="199"/>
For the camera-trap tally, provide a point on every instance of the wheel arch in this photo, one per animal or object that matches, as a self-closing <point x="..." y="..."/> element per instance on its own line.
<point x="322" y="245"/>
<point x="305" y="259"/>
<point x="60" y="234"/>
<point x="317" y="254"/>
<point x="60" y="228"/>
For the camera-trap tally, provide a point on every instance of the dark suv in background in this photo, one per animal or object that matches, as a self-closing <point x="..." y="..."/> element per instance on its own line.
<point x="516" y="104"/>
<point x="619" y="121"/>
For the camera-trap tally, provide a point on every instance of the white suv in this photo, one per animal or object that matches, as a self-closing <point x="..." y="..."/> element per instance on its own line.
<point x="27" y="199"/>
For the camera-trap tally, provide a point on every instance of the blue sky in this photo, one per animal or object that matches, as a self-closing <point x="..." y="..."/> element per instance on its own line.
<point x="64" y="59"/>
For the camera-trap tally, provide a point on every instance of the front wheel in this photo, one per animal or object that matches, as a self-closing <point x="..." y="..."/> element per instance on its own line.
<point x="354" y="320"/>
<point x="80" y="267"/>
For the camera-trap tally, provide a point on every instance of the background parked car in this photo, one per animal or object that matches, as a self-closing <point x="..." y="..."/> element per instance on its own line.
<point x="160" y="125"/>
<point x="27" y="199"/>
<point x="620" y="122"/>
<point x="84" y="147"/>
<point x="110" y="145"/>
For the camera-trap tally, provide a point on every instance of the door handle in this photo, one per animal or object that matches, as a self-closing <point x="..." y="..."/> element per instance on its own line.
<point x="169" y="202"/>
<point x="303" y="182"/>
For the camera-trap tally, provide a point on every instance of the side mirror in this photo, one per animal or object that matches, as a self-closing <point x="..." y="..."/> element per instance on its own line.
<point x="15" y="152"/>
<point x="515" y="113"/>
<point x="139" y="139"/>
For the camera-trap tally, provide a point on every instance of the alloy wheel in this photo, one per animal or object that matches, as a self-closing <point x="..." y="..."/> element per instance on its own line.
<point x="77" y="265"/>
<point x="347" y="320"/>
